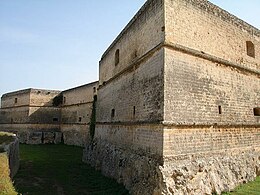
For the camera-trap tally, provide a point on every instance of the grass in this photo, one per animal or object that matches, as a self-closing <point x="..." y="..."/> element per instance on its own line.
<point x="58" y="169"/>
<point x="6" y="185"/>
<point x="251" y="188"/>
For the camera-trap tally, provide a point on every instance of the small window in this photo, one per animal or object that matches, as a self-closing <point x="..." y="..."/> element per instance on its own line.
<point x="38" y="92"/>
<point x="257" y="111"/>
<point x="64" y="100"/>
<point x="117" y="57"/>
<point x="55" y="119"/>
<point x="134" y="110"/>
<point x="219" y="109"/>
<point x="94" y="89"/>
<point x="250" y="49"/>
<point x="80" y="119"/>
<point x="113" y="112"/>
<point x="48" y="93"/>
<point x="15" y="100"/>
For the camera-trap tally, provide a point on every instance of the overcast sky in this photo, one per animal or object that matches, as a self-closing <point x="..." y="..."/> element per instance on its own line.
<point x="56" y="44"/>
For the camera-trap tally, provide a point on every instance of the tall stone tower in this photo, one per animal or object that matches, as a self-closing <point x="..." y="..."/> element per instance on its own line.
<point x="178" y="101"/>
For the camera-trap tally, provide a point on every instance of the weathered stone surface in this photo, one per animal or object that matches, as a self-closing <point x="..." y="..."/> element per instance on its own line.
<point x="74" y="137"/>
<point x="23" y="136"/>
<point x="207" y="174"/>
<point x="195" y="175"/>
<point x="35" y="138"/>
<point x="139" y="174"/>
<point x="57" y="137"/>
<point x="12" y="150"/>
<point x="48" y="137"/>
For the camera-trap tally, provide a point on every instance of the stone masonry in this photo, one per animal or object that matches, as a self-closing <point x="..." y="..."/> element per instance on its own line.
<point x="178" y="101"/>
<point x="175" y="111"/>
<point x="36" y="119"/>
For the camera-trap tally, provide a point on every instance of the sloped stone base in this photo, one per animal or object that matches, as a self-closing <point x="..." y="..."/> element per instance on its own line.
<point x="200" y="174"/>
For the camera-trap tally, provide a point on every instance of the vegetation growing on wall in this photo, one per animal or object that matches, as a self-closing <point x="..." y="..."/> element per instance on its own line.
<point x="57" y="101"/>
<point x="93" y="118"/>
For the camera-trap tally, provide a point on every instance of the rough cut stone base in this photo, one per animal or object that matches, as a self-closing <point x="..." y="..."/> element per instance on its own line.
<point x="58" y="137"/>
<point x="74" y="138"/>
<point x="35" y="138"/>
<point x="207" y="174"/>
<point x="48" y="137"/>
<point x="139" y="174"/>
<point x="200" y="174"/>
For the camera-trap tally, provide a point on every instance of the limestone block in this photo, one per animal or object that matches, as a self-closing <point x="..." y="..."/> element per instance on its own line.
<point x="35" y="138"/>
<point x="48" y="137"/>
<point x="23" y="137"/>
<point x="57" y="137"/>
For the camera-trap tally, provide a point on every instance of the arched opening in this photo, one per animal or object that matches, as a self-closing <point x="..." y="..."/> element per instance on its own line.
<point x="250" y="49"/>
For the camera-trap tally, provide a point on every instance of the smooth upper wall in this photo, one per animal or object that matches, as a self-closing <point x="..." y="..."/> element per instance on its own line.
<point x="144" y="32"/>
<point x="81" y="94"/>
<point x="16" y="99"/>
<point x="77" y="104"/>
<point x="200" y="25"/>
<point x="210" y="79"/>
<point x="39" y="97"/>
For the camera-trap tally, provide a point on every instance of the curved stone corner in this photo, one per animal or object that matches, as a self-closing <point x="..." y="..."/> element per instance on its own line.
<point x="12" y="151"/>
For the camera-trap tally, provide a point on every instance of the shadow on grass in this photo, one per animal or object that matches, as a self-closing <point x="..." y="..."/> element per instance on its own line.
<point x="58" y="169"/>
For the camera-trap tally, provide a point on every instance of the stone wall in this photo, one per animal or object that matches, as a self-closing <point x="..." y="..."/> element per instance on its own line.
<point x="12" y="151"/>
<point x="213" y="31"/>
<point x="205" y="92"/>
<point x="136" y="95"/>
<point x="178" y="119"/>
<point x="144" y="32"/>
<point x="16" y="99"/>
<point x="76" y="114"/>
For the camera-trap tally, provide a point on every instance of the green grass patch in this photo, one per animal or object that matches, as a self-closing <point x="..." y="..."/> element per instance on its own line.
<point x="6" y="185"/>
<point x="251" y="188"/>
<point x="58" y="169"/>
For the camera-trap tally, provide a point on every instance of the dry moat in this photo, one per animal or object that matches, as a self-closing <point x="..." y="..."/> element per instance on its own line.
<point x="58" y="169"/>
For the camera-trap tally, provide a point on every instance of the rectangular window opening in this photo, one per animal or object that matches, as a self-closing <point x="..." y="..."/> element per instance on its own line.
<point x="80" y="119"/>
<point x="219" y="110"/>
<point x="113" y="112"/>
<point x="134" y="110"/>
<point x="55" y="119"/>
<point x="257" y="111"/>
<point x="15" y="100"/>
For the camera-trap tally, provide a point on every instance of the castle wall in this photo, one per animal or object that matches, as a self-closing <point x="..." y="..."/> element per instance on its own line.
<point x="16" y="99"/>
<point x="183" y="111"/>
<point x="44" y="98"/>
<point x="76" y="114"/>
<point x="184" y="141"/>
<point x="136" y="95"/>
<point x="14" y="115"/>
<point x="144" y="32"/>
<point x="206" y="28"/>
<point x="196" y="87"/>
